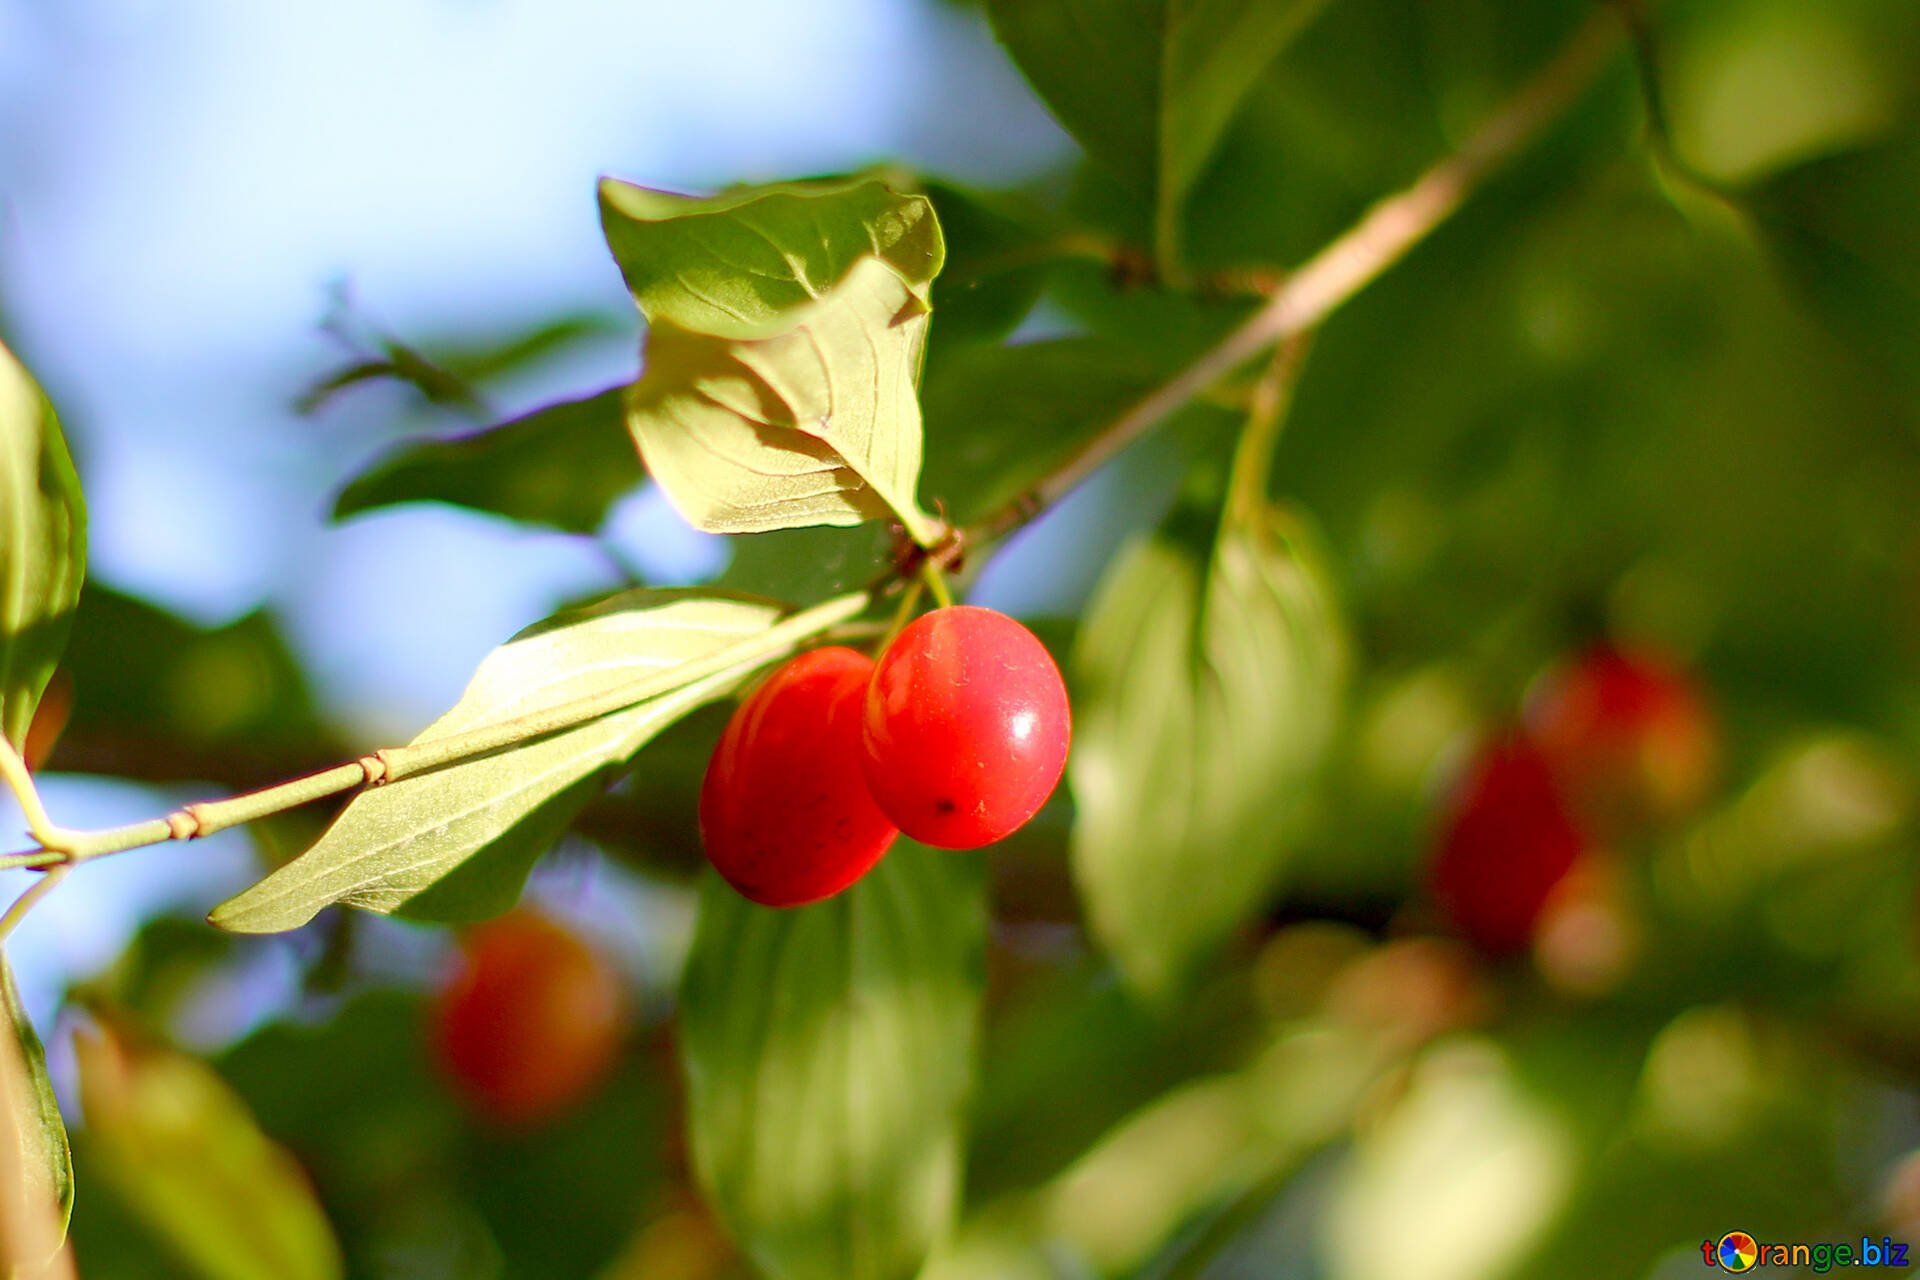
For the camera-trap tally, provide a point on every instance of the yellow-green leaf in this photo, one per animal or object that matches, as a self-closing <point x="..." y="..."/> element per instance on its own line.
<point x="38" y="1178"/>
<point x="183" y="1153"/>
<point x="746" y="257"/>
<point x="456" y="842"/>
<point x="812" y="418"/>
<point x="1207" y="697"/>
<point x="43" y="544"/>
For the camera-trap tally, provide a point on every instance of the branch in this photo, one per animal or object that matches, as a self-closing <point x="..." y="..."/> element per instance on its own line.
<point x="61" y="847"/>
<point x="1381" y="238"/>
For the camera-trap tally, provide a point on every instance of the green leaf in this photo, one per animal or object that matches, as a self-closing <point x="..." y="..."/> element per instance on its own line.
<point x="747" y="257"/>
<point x="829" y="1051"/>
<point x="1207" y="699"/>
<point x="1842" y="227"/>
<point x="187" y="1159"/>
<point x="34" y="1120"/>
<point x="1148" y="86"/>
<point x="562" y="465"/>
<point x="456" y="842"/>
<point x="811" y="418"/>
<point x="998" y="253"/>
<point x="43" y="545"/>
<point x="1000" y="418"/>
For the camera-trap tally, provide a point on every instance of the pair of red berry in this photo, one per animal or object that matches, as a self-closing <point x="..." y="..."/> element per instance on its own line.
<point x="956" y="736"/>
<point x="1614" y="740"/>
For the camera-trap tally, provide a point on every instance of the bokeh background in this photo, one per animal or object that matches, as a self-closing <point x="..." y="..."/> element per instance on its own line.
<point x="1604" y="401"/>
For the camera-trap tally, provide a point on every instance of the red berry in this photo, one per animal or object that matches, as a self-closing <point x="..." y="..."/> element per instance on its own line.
<point x="784" y="813"/>
<point x="1628" y="734"/>
<point x="966" y="727"/>
<point x="530" y="1021"/>
<point x="1506" y="841"/>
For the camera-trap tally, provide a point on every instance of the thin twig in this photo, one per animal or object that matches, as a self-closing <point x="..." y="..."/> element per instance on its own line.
<point x="25" y="902"/>
<point x="1381" y="238"/>
<point x="60" y="846"/>
<point x="936" y="580"/>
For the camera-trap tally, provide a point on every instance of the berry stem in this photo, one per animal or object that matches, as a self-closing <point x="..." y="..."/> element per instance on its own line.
<point x="936" y="580"/>
<point x="1253" y="455"/>
<point x="909" y="600"/>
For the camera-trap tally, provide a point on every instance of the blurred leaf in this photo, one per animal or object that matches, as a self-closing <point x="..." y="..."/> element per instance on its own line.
<point x="355" y="1098"/>
<point x="184" y="1155"/>
<point x="359" y="1099"/>
<point x="159" y="698"/>
<point x="997" y="259"/>
<point x="1367" y="95"/>
<point x="560" y="1202"/>
<point x="1842" y="227"/>
<point x="809" y="418"/>
<point x="401" y="363"/>
<point x="1207" y="701"/>
<point x="1000" y="418"/>
<point x="479" y="360"/>
<point x="1077" y="1054"/>
<point x="401" y="844"/>
<point x="805" y="563"/>
<point x="747" y="257"/>
<point x="1149" y="86"/>
<point x="43" y="554"/>
<point x="448" y="375"/>
<point x="562" y="465"/>
<point x="828" y="1052"/>
<point x="40" y="1164"/>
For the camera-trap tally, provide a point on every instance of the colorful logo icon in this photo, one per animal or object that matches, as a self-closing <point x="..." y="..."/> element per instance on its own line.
<point x="1737" y="1251"/>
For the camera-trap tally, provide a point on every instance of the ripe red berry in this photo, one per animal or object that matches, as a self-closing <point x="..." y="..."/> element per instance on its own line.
<point x="785" y="815"/>
<point x="966" y="727"/>
<point x="1628" y="734"/>
<point x="1506" y="841"/>
<point x="530" y="1021"/>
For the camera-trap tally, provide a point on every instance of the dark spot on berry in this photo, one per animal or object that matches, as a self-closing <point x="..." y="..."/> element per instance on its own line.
<point x="945" y="806"/>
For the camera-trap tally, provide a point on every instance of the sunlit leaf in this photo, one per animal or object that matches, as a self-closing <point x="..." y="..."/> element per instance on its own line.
<point x="43" y="546"/>
<point x="746" y="257"/>
<point x="1148" y="86"/>
<point x="562" y="465"/>
<point x="40" y="1166"/>
<point x="1207" y="698"/>
<point x="186" y="1158"/>
<point x="828" y="1052"/>
<point x="401" y="844"/>
<point x="811" y="418"/>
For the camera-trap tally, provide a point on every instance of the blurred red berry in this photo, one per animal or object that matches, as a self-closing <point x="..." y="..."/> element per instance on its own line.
<point x="966" y="728"/>
<point x="1506" y="840"/>
<point x="530" y="1021"/>
<point x="785" y="815"/>
<point x="1628" y="734"/>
